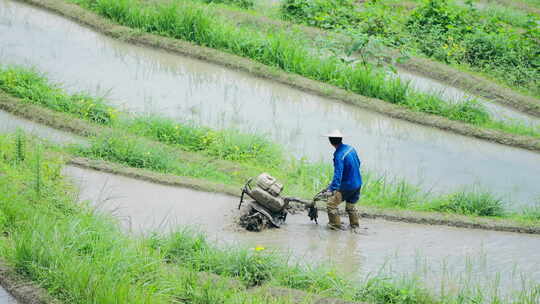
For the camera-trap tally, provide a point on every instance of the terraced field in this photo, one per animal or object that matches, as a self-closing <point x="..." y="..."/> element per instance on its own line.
<point x="121" y="144"/>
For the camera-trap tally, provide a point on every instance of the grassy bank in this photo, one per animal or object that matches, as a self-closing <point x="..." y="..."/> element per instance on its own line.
<point x="229" y="157"/>
<point x="80" y="255"/>
<point x="498" y="41"/>
<point x="196" y="23"/>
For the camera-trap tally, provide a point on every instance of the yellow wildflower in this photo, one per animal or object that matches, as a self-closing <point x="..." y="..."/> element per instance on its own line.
<point x="259" y="248"/>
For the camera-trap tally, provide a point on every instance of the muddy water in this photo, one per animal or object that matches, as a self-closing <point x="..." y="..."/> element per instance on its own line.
<point x="142" y="79"/>
<point x="454" y="94"/>
<point x="10" y="123"/>
<point x="6" y="298"/>
<point x="434" y="252"/>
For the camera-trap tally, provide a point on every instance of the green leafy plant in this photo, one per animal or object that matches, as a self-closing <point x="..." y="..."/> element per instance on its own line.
<point x="321" y="13"/>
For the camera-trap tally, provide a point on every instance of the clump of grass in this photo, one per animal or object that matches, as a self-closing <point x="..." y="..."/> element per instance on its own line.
<point x="223" y="144"/>
<point x="532" y="212"/>
<point x="382" y="191"/>
<point x="475" y="202"/>
<point x="380" y="289"/>
<point x="193" y="251"/>
<point x="34" y="88"/>
<point x="188" y="21"/>
<point x="138" y="153"/>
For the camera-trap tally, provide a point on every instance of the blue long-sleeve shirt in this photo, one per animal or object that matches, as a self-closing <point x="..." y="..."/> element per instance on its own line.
<point x="346" y="169"/>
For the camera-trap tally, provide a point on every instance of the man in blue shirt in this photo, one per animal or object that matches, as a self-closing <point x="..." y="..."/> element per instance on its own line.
<point x="346" y="184"/>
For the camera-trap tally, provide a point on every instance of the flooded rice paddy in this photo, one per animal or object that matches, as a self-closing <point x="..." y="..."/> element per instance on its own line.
<point x="434" y="252"/>
<point x="453" y="94"/>
<point x="149" y="80"/>
<point x="6" y="298"/>
<point x="10" y="123"/>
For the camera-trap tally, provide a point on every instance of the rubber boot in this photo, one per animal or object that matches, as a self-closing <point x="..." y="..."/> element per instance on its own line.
<point x="353" y="217"/>
<point x="334" y="220"/>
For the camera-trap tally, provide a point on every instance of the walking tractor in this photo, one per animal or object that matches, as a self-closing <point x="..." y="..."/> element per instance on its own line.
<point x="267" y="207"/>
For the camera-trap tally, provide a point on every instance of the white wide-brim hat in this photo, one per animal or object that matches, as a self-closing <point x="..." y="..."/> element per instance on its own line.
<point x="335" y="133"/>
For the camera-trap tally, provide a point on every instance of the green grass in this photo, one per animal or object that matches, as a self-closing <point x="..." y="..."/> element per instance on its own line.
<point x="473" y="203"/>
<point x="80" y="255"/>
<point x="132" y="143"/>
<point x="532" y="213"/>
<point x="139" y="153"/>
<point x="223" y="144"/>
<point x="32" y="87"/>
<point x="198" y="24"/>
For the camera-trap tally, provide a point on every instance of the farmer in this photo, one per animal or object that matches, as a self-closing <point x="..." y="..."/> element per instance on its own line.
<point x="345" y="185"/>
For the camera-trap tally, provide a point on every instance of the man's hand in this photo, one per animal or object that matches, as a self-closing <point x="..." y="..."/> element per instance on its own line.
<point x="326" y="193"/>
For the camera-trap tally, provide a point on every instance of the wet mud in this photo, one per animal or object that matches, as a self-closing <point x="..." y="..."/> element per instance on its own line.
<point x="435" y="253"/>
<point x="149" y="80"/>
<point x="17" y="290"/>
